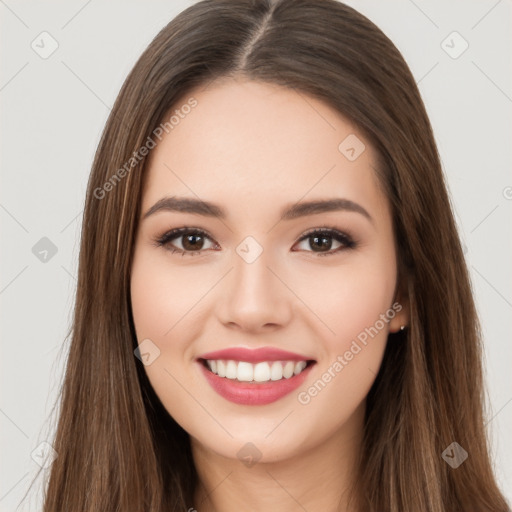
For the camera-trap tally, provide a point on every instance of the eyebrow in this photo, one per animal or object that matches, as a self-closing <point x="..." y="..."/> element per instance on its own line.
<point x="294" y="211"/>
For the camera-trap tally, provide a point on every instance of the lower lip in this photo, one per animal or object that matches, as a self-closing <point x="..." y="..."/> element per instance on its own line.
<point x="246" y="393"/>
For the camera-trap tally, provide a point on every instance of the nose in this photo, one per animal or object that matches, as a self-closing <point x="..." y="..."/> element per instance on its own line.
<point x="254" y="297"/>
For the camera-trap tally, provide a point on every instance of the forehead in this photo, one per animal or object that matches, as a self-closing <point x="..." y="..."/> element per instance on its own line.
<point x="251" y="145"/>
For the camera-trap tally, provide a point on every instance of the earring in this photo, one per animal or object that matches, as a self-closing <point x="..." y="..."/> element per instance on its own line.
<point x="402" y="327"/>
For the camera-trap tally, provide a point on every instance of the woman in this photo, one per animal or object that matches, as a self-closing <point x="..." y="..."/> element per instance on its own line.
<point x="272" y="370"/>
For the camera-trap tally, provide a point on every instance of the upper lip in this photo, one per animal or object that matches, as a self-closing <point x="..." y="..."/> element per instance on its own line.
<point x="255" y="355"/>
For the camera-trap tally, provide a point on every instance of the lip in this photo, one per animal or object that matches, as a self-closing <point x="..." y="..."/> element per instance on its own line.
<point x="245" y="393"/>
<point x="257" y="355"/>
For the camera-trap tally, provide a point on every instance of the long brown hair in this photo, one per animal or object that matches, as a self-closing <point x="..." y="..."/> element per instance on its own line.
<point x="118" y="448"/>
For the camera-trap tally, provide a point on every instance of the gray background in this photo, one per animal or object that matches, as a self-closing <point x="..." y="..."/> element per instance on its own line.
<point x="53" y="111"/>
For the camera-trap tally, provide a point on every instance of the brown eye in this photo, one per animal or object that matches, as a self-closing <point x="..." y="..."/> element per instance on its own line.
<point x="184" y="240"/>
<point x="321" y="241"/>
<point x="192" y="242"/>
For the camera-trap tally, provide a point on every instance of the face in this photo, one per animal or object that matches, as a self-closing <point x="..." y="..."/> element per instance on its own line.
<point x="257" y="273"/>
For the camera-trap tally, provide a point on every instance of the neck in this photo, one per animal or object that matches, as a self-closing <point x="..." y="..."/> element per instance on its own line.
<point x="317" y="479"/>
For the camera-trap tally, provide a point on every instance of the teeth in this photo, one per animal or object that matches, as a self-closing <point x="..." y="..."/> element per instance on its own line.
<point x="259" y="372"/>
<point x="288" y="369"/>
<point x="244" y="372"/>
<point x="276" y="372"/>
<point x="299" y="367"/>
<point x="221" y="369"/>
<point x="231" y="370"/>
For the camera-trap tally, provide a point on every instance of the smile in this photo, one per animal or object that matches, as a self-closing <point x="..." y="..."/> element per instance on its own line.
<point x="265" y="371"/>
<point x="254" y="377"/>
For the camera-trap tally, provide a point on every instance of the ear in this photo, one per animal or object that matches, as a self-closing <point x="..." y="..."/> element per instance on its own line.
<point x="401" y="307"/>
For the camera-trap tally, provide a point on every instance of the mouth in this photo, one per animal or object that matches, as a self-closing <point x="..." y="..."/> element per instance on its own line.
<point x="254" y="377"/>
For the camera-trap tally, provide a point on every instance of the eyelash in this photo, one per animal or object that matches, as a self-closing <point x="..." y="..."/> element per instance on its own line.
<point x="347" y="240"/>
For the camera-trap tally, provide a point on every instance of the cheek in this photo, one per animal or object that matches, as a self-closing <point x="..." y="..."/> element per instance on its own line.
<point x="357" y="306"/>
<point x="168" y="308"/>
<point x="161" y="297"/>
<point x="156" y="311"/>
<point x="348" y="299"/>
<point x="159" y="315"/>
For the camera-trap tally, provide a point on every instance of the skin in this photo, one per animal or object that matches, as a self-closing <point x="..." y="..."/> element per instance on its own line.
<point x="255" y="148"/>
